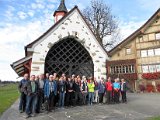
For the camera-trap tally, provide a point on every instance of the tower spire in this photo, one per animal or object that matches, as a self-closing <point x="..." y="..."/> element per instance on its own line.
<point x="61" y="11"/>
<point x="62" y="7"/>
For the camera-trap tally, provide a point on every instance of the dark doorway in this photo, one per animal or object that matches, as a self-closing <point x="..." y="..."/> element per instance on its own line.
<point x="70" y="57"/>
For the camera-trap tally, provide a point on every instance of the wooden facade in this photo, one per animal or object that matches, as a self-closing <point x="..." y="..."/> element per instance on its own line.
<point x="125" y="69"/>
<point x="142" y="50"/>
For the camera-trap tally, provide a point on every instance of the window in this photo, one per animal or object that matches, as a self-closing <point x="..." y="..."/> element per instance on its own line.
<point x="128" y="51"/>
<point x="127" y="69"/>
<point x="143" y="53"/>
<point x="157" y="36"/>
<point x="152" y="68"/>
<point x="120" y="69"/>
<point x="145" y="69"/>
<point x="111" y="70"/>
<point x="151" y="52"/>
<point x="133" y="70"/>
<point x="157" y="51"/>
<point x="114" y="69"/>
<point x="124" y="70"/>
<point x="117" y="70"/>
<point x="158" y="68"/>
<point x="140" y="39"/>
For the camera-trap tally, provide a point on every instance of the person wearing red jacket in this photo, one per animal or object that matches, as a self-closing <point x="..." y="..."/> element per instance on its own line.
<point x="109" y="89"/>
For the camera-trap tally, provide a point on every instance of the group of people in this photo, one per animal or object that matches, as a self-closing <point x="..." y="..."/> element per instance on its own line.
<point x="46" y="92"/>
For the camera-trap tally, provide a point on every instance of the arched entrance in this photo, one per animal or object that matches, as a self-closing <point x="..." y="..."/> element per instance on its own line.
<point x="70" y="57"/>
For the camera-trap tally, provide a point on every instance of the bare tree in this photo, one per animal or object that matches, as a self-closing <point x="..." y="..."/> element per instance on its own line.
<point x="101" y="21"/>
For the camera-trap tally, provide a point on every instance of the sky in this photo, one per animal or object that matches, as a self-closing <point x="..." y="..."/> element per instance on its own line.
<point x="22" y="21"/>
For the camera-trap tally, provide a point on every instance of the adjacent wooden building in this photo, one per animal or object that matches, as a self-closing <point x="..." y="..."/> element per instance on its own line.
<point x="137" y="58"/>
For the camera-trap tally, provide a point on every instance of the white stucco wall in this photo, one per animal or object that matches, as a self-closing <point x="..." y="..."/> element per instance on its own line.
<point x="71" y="24"/>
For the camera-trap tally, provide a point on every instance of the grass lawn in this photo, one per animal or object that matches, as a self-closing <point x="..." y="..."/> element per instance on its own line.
<point x="154" y="118"/>
<point x="8" y="95"/>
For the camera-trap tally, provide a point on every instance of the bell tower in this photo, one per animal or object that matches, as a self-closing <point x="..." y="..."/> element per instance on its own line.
<point x="60" y="12"/>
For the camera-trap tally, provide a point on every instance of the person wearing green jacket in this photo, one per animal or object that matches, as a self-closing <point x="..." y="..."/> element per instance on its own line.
<point x="91" y="86"/>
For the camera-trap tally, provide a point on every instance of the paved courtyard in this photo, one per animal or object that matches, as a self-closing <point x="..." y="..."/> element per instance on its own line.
<point x="139" y="107"/>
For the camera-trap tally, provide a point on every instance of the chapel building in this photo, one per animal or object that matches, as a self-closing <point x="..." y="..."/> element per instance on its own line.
<point x="69" y="46"/>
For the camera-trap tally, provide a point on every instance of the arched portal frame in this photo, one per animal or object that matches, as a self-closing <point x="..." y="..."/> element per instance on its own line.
<point x="70" y="57"/>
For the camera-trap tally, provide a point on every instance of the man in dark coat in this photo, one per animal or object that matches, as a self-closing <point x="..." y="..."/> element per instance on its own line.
<point x="123" y="90"/>
<point x="77" y="92"/>
<point x="69" y="92"/>
<point x="40" y="101"/>
<point x="32" y="93"/>
<point x="21" y="88"/>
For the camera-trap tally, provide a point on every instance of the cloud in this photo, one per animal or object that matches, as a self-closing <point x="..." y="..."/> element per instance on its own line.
<point x="127" y="28"/>
<point x="38" y="5"/>
<point x="22" y="15"/>
<point x="11" y="8"/>
<point x="53" y="1"/>
<point x="31" y="13"/>
<point x="13" y="39"/>
<point x="6" y="73"/>
<point x="149" y="4"/>
<point x="34" y="6"/>
<point x="51" y="6"/>
<point x="9" y="12"/>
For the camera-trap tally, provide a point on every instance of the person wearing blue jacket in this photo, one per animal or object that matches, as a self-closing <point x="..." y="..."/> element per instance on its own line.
<point x="50" y="91"/>
<point x="116" y="90"/>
